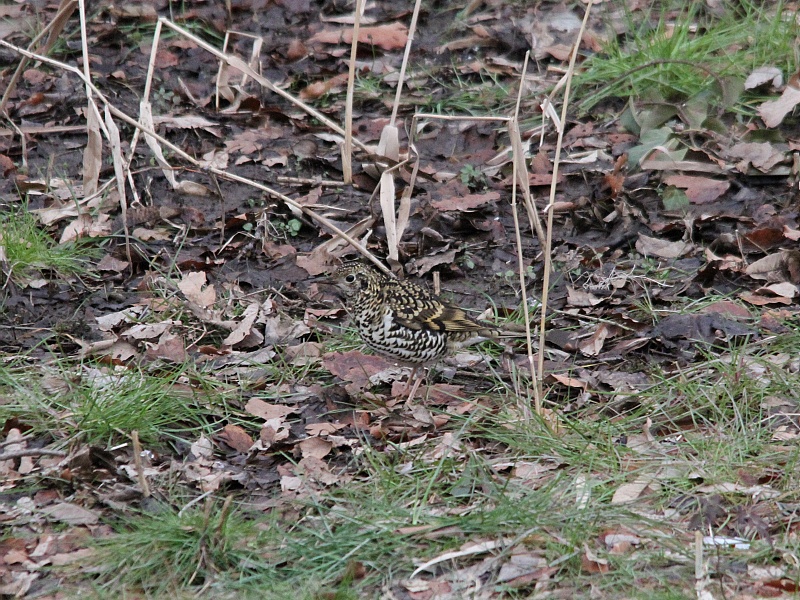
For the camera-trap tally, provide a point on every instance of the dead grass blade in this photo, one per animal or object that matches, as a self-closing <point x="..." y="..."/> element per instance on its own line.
<point x="347" y="148"/>
<point x="548" y="264"/>
<point x="520" y="175"/>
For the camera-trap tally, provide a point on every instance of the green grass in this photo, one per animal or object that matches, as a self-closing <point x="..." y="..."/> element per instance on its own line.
<point x="481" y="94"/>
<point x="31" y="251"/>
<point x="99" y="405"/>
<point x="386" y="515"/>
<point x="170" y="551"/>
<point x="672" y="61"/>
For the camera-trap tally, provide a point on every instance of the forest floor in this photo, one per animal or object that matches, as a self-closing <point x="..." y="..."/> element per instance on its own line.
<point x="186" y="409"/>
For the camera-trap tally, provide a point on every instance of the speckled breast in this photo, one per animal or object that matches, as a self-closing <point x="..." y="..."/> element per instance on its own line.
<point x="386" y="337"/>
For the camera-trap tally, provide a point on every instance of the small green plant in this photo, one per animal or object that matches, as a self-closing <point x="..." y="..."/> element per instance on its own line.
<point x="473" y="178"/>
<point x="282" y="230"/>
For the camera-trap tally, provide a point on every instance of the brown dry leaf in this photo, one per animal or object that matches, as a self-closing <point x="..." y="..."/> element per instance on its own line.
<point x="355" y="367"/>
<point x="110" y="264"/>
<point x="320" y="429"/>
<point x="282" y="329"/>
<point x="72" y="514"/>
<point x="244" y="334"/>
<point x="66" y="558"/>
<point x="93" y="154"/>
<point x="760" y="155"/>
<point x="84" y="226"/>
<point x="113" y="320"/>
<point x="593" y="345"/>
<point x="764" y="237"/>
<point x="628" y="492"/>
<point x="465" y="203"/>
<point x="591" y="563"/>
<point x="143" y="11"/>
<point x="791" y="234"/>
<point x="250" y="141"/>
<point x="446" y="393"/>
<point x="320" y="88"/>
<point x="13" y="19"/>
<point x="316" y="447"/>
<point x="533" y="472"/>
<point x="202" y="468"/>
<point x="170" y="347"/>
<point x="774" y="111"/>
<point x="569" y="381"/>
<point x="423" y="265"/>
<point x="273" y="431"/>
<point x="236" y="437"/>
<point x="764" y="75"/>
<point x="784" y="289"/>
<point x="523" y="568"/>
<point x="581" y="298"/>
<point x="193" y="285"/>
<point x="267" y="411"/>
<point x="726" y="308"/>
<point x="296" y="50"/>
<point x="650" y="246"/>
<point x="149" y="331"/>
<point x="468" y="549"/>
<point x="389" y="37"/>
<point x="619" y="542"/>
<point x="7" y="166"/>
<point x="316" y="470"/>
<point x="17" y="583"/>
<point x="118" y="351"/>
<point x="304" y="353"/>
<point x="699" y="190"/>
<point x="277" y="251"/>
<point x="777" y="267"/>
<point x="313" y="315"/>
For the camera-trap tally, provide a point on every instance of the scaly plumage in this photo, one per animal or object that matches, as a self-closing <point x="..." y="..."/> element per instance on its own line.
<point x="402" y="320"/>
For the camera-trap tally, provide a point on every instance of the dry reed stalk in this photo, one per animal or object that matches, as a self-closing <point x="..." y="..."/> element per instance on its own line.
<point x="548" y="261"/>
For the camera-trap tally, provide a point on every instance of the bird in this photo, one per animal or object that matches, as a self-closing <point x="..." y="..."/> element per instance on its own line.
<point x="403" y="321"/>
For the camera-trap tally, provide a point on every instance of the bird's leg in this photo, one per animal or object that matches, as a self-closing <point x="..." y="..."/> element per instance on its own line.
<point x="417" y="380"/>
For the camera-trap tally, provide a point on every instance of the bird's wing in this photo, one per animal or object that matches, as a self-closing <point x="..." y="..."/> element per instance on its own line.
<point x="417" y="309"/>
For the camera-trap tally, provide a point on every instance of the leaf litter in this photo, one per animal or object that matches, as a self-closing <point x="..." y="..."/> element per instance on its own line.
<point x="215" y="272"/>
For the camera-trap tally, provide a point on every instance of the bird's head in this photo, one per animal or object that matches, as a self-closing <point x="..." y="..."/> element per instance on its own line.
<point x="355" y="278"/>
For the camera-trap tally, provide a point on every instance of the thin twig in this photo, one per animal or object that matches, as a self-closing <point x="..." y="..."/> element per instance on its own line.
<point x="31" y="452"/>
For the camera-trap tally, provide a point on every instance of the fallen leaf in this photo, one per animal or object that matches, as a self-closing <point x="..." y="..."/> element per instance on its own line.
<point x="774" y="111"/>
<point x="650" y="246"/>
<point x="699" y="190"/>
<point x="389" y="37"/>
<point x="193" y="285"/>
<point x="316" y="447"/>
<point x="465" y="203"/>
<point x="71" y="514"/>
<point x="236" y="437"/>
<point x="267" y="411"/>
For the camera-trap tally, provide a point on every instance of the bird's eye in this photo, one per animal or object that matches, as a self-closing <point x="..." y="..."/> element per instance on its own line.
<point x="350" y="278"/>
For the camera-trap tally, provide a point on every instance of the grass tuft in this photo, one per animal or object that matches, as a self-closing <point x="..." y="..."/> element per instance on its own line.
<point x="683" y="56"/>
<point x="29" y="250"/>
<point x="102" y="406"/>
